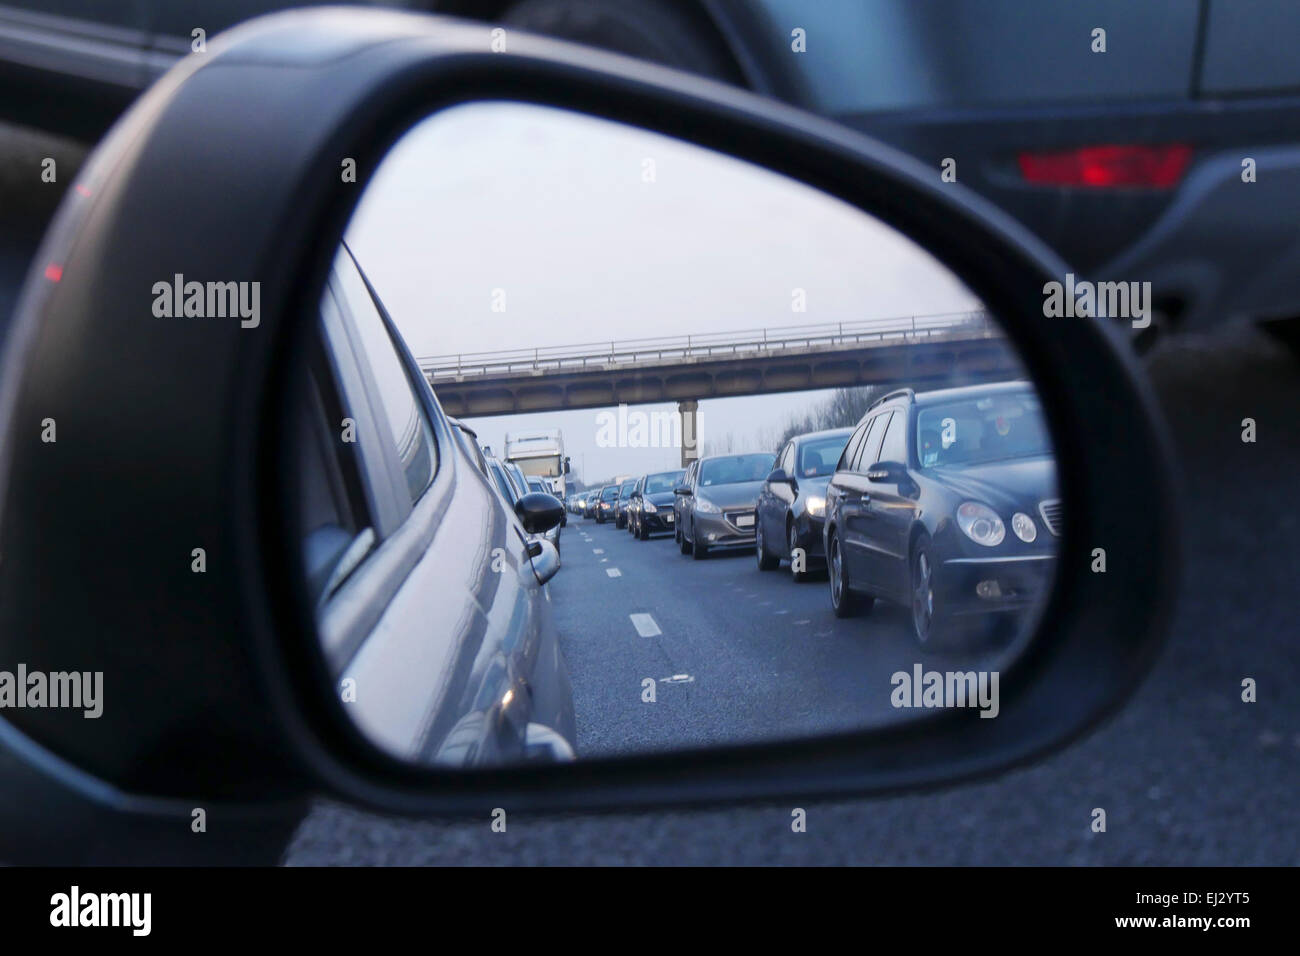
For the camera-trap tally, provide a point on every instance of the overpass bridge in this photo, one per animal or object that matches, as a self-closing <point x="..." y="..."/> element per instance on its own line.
<point x="945" y="349"/>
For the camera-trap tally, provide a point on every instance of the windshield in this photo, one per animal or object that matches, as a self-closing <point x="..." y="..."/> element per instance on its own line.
<point x="734" y="469"/>
<point x="626" y="490"/>
<point x="657" y="484"/>
<point x="610" y="493"/>
<point x="543" y="467"/>
<point x="981" y="429"/>
<point x="819" y="457"/>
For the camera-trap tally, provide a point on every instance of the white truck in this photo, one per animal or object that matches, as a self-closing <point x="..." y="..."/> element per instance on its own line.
<point x="540" y="453"/>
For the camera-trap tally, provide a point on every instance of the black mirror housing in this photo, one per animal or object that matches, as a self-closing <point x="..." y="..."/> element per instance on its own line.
<point x="337" y="82"/>
<point x="539" y="512"/>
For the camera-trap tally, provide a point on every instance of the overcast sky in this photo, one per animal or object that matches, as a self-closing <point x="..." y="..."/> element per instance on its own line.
<point x="589" y="231"/>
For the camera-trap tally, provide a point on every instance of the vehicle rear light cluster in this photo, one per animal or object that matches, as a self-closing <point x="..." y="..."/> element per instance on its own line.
<point x="1108" y="167"/>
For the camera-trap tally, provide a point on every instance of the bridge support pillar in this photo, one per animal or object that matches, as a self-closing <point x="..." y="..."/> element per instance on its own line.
<point x="687" y="412"/>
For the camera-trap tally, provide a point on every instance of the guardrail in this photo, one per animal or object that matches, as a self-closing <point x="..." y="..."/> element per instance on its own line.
<point x="708" y="345"/>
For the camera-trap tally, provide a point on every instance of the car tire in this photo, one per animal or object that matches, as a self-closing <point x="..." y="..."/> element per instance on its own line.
<point x="844" y="601"/>
<point x="682" y="543"/>
<point x="928" y="618"/>
<point x="698" y="551"/>
<point x="766" y="560"/>
<point x="791" y="543"/>
<point x="641" y="533"/>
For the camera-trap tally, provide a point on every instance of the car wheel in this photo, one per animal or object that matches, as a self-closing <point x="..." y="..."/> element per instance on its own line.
<point x="929" y="619"/>
<point x="766" y="561"/>
<point x="641" y="532"/>
<point x="682" y="543"/>
<point x="844" y="602"/>
<point x="699" y="551"/>
<point x="792" y="544"/>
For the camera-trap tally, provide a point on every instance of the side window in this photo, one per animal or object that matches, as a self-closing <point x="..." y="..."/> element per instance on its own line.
<point x="871" y="442"/>
<point x="786" y="461"/>
<point x="851" y="449"/>
<point x="869" y="437"/>
<point x="894" y="446"/>
<point x="408" y="426"/>
<point x="503" y="484"/>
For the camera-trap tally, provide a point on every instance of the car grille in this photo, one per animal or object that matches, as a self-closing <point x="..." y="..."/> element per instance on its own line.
<point x="733" y="516"/>
<point x="1051" y="514"/>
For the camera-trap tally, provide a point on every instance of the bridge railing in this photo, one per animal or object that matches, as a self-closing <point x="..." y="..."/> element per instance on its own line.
<point x="706" y="345"/>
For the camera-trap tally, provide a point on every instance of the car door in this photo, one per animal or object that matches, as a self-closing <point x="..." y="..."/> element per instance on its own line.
<point x="770" y="507"/>
<point x="443" y="609"/>
<point x="853" y="488"/>
<point x="888" y="513"/>
<point x="683" y="504"/>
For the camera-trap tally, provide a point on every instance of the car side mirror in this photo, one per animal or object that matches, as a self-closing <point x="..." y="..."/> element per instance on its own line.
<point x="887" y="472"/>
<point x="539" y="513"/>
<point x="257" y="215"/>
<point x="779" y="477"/>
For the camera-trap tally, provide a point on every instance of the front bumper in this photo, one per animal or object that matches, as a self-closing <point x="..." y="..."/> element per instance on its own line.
<point x="987" y="585"/>
<point x="657" y="521"/>
<point x="721" y="530"/>
<point x="808" y="535"/>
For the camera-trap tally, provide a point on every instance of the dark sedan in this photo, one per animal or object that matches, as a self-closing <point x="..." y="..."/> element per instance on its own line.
<point x="621" y="502"/>
<point x="792" y="505"/>
<point x="945" y="502"/>
<point x="606" y="502"/>
<point x="651" y="509"/>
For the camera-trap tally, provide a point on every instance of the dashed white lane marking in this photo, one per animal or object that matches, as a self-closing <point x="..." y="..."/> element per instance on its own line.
<point x="614" y="572"/>
<point x="645" y="625"/>
<point x="597" y="550"/>
<point x="677" y="679"/>
<point x="780" y="612"/>
<point x="804" y="621"/>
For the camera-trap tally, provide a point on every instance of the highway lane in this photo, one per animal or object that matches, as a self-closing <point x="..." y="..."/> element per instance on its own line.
<point x="736" y="654"/>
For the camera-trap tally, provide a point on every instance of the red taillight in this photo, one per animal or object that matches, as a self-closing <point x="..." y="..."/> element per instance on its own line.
<point x="1105" y="167"/>
<point x="54" y="272"/>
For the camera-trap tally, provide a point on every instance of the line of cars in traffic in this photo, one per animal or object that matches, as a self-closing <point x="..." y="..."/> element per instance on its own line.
<point x="943" y="502"/>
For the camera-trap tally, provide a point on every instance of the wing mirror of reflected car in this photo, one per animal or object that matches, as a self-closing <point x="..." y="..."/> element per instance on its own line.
<point x="888" y="472"/>
<point x="779" y="477"/>
<point x="539" y="512"/>
<point x="268" y="689"/>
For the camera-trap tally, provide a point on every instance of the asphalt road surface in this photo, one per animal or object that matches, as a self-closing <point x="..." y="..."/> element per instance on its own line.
<point x="736" y="654"/>
<point x="1187" y="772"/>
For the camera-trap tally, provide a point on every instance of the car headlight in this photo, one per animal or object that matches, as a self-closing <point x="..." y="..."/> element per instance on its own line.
<point x="980" y="523"/>
<point x="706" y="506"/>
<point x="816" y="505"/>
<point x="648" y="507"/>
<point x="1024" y="527"/>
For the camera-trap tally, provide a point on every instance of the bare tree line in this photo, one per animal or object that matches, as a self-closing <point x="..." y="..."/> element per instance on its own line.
<point x="842" y="408"/>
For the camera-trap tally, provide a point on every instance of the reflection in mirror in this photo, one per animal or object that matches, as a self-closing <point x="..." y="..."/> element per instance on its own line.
<point x="613" y="444"/>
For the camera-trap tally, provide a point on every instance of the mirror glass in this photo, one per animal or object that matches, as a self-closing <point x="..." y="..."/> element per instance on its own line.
<point x="611" y="444"/>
